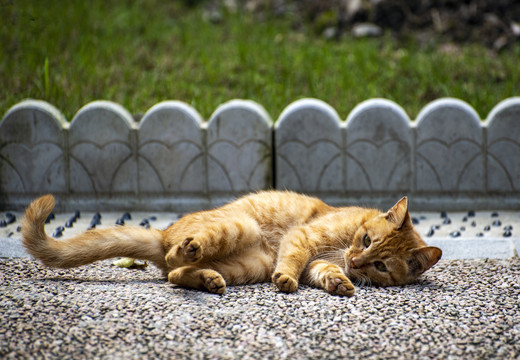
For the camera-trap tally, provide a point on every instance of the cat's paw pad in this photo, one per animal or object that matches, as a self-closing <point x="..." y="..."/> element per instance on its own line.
<point x="191" y="250"/>
<point x="285" y="283"/>
<point x="215" y="283"/>
<point x="338" y="284"/>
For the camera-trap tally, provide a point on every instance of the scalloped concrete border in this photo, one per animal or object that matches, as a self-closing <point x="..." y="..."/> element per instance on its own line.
<point x="172" y="160"/>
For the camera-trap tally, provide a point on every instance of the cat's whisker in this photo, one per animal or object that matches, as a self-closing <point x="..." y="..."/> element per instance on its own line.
<point x="334" y="256"/>
<point x="344" y="246"/>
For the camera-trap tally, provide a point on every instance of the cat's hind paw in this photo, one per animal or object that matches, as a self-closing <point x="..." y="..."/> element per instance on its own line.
<point x="285" y="283"/>
<point x="191" y="250"/>
<point x="188" y="252"/>
<point x="338" y="284"/>
<point x="214" y="283"/>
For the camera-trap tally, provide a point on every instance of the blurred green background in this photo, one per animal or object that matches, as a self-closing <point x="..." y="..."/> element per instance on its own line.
<point x="138" y="53"/>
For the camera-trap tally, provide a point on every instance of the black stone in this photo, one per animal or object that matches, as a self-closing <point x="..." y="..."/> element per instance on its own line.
<point x="152" y="218"/>
<point x="120" y="221"/>
<point x="487" y="228"/>
<point x="497" y="223"/>
<point x="464" y="219"/>
<point x="431" y="232"/>
<point x="473" y="223"/>
<point x="10" y="218"/>
<point x="494" y="214"/>
<point x="126" y="216"/>
<point x="18" y="228"/>
<point x="507" y="233"/>
<point x="70" y="223"/>
<point x="77" y="214"/>
<point x="446" y="221"/>
<point x="58" y="232"/>
<point x="50" y="218"/>
<point x="144" y="222"/>
<point x="444" y="214"/>
<point x="480" y="234"/>
<point x="455" y="234"/>
<point x="471" y="213"/>
<point x="415" y="221"/>
<point x="508" y="227"/>
<point x="94" y="222"/>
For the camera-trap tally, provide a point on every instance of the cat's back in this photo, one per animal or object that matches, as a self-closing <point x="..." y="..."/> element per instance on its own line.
<point x="281" y="208"/>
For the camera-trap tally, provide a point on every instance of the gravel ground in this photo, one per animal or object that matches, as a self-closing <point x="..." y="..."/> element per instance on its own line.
<point x="459" y="309"/>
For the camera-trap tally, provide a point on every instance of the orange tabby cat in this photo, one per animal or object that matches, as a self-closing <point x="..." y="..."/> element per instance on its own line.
<point x="283" y="236"/>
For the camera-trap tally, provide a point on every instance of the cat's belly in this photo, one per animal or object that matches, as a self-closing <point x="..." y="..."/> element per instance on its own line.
<point x="253" y="265"/>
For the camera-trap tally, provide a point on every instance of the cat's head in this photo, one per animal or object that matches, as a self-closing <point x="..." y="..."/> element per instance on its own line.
<point x="386" y="250"/>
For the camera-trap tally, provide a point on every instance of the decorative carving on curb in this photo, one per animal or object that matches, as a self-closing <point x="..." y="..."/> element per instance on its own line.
<point x="101" y="150"/>
<point x="503" y="147"/>
<point x="309" y="144"/>
<point x="172" y="159"/>
<point x="32" y="155"/>
<point x="171" y="150"/>
<point x="239" y="148"/>
<point x="379" y="143"/>
<point x="449" y="148"/>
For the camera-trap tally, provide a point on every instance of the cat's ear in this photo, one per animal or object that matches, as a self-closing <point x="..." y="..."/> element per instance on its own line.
<point x="423" y="258"/>
<point x="398" y="214"/>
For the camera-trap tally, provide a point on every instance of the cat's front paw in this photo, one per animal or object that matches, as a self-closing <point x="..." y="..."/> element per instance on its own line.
<point x="285" y="283"/>
<point x="338" y="284"/>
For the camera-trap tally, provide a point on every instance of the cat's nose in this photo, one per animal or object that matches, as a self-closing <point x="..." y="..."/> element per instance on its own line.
<point x="353" y="264"/>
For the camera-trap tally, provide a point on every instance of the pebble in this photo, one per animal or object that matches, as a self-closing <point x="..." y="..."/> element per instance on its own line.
<point x="109" y="312"/>
<point x="50" y="218"/>
<point x="58" y="232"/>
<point x="10" y="218"/>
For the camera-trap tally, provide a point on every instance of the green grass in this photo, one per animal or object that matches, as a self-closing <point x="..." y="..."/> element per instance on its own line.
<point x="138" y="53"/>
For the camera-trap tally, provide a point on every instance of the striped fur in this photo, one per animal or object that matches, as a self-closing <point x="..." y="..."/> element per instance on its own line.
<point x="272" y="235"/>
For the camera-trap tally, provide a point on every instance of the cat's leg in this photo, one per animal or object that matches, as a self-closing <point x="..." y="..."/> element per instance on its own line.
<point x="213" y="240"/>
<point x="322" y="274"/>
<point x="297" y="247"/>
<point x="253" y="265"/>
<point x="196" y="278"/>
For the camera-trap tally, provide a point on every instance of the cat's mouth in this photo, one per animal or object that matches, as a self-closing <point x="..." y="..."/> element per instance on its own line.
<point x="355" y="275"/>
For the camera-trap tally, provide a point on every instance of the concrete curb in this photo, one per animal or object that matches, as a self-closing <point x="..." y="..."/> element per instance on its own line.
<point x="172" y="160"/>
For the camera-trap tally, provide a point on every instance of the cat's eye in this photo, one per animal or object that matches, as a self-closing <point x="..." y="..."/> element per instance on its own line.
<point x="380" y="266"/>
<point x="367" y="241"/>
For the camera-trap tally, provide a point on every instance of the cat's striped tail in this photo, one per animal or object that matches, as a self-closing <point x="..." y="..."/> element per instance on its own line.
<point x="93" y="245"/>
